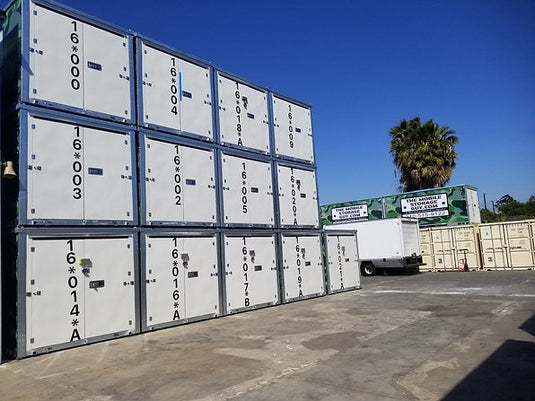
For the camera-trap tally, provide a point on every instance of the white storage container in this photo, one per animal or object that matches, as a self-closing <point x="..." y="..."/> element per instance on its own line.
<point x="292" y="127"/>
<point x="251" y="278"/>
<point x="76" y="171"/>
<point x="180" y="276"/>
<point x="78" y="288"/>
<point x="243" y="114"/>
<point x="76" y="63"/>
<point x="175" y="93"/>
<point x="179" y="183"/>
<point x="342" y="261"/>
<point x="302" y="266"/>
<point x="247" y="191"/>
<point x="298" y="198"/>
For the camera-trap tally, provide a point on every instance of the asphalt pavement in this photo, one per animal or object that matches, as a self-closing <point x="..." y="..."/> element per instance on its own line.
<point x="430" y="336"/>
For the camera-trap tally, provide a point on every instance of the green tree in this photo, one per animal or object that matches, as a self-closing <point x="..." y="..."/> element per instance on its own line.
<point x="424" y="154"/>
<point x="489" y="217"/>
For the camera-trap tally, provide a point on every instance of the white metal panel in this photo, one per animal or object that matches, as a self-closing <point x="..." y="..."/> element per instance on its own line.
<point x="343" y="263"/>
<point x="293" y="130"/>
<point x="55" y="187"/>
<point x="55" y="308"/>
<point x="165" y="280"/>
<point x="107" y="175"/>
<point x="202" y="290"/>
<point x="411" y="239"/>
<point x="250" y="272"/>
<point x="303" y="267"/>
<point x="56" y="57"/>
<point x="247" y="191"/>
<point x="106" y="72"/>
<point x="180" y="183"/>
<point x="298" y="201"/>
<point x="243" y="115"/>
<point x="76" y="64"/>
<point x="472" y="204"/>
<point x="198" y="185"/>
<point x="160" y="88"/>
<point x="176" y="93"/>
<point x="110" y="307"/>
<point x="195" y="99"/>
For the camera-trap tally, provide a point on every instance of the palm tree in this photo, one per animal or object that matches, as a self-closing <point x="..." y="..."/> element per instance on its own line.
<point x="423" y="154"/>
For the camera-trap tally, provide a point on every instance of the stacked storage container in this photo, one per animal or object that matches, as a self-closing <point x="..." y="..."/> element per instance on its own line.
<point x="67" y="124"/>
<point x="178" y="187"/>
<point x="148" y="180"/>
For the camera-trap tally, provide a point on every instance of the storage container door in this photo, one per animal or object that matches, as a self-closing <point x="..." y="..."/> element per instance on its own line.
<point x="259" y="270"/>
<point x="109" y="285"/>
<point x="350" y="259"/>
<point x="56" y="58"/>
<point x="309" y="265"/>
<point x="198" y="185"/>
<point x="307" y="199"/>
<point x="163" y="181"/>
<point x="335" y="263"/>
<point x="343" y="262"/>
<point x="257" y="192"/>
<point x="55" y="170"/>
<point x="303" y="268"/>
<point x="195" y="99"/>
<point x="243" y="117"/>
<point x="236" y="274"/>
<point x="293" y="130"/>
<point x="108" y="175"/>
<point x="160" y="88"/>
<point x="521" y="254"/>
<point x="107" y="72"/>
<point x="297" y="197"/>
<point x="287" y="196"/>
<point x="519" y="245"/>
<point x="201" y="280"/>
<point x="165" y="280"/>
<point x="236" y="186"/>
<point x="55" y="292"/>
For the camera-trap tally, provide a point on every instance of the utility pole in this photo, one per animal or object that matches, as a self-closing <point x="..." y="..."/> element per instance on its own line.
<point x="485" y="200"/>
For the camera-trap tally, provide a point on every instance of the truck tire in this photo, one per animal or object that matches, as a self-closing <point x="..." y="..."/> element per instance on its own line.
<point x="368" y="269"/>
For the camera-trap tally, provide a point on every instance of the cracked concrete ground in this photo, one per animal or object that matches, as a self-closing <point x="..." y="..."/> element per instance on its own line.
<point x="432" y="336"/>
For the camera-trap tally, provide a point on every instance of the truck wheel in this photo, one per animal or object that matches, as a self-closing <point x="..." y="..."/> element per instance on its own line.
<point x="368" y="269"/>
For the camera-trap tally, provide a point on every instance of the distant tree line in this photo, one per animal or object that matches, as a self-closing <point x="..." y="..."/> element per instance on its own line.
<point x="510" y="210"/>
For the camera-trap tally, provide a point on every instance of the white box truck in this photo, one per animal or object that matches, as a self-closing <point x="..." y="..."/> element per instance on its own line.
<point x="385" y="244"/>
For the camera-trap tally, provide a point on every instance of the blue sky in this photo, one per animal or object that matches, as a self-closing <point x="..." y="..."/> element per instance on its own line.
<point x="364" y="66"/>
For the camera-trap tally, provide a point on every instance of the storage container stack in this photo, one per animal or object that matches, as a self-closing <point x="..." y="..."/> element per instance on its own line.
<point x="69" y="219"/>
<point x="153" y="188"/>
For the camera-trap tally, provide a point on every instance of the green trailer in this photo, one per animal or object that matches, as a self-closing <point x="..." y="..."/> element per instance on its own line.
<point x="438" y="206"/>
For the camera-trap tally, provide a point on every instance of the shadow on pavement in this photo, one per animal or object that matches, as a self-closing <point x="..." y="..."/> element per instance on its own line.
<point x="507" y="374"/>
<point x="529" y="326"/>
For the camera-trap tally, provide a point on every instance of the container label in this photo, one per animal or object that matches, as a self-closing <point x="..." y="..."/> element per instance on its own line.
<point x="355" y="212"/>
<point x="425" y="206"/>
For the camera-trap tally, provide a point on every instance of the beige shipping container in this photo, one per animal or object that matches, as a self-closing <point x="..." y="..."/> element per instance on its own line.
<point x="454" y="248"/>
<point x="426" y="249"/>
<point x="466" y="242"/>
<point x="443" y="249"/>
<point x="508" y="245"/>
